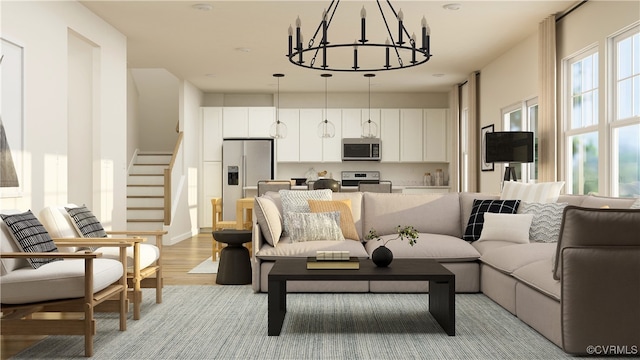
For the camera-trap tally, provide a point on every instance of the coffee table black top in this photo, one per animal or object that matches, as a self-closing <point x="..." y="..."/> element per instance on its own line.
<point x="399" y="269"/>
<point x="232" y="237"/>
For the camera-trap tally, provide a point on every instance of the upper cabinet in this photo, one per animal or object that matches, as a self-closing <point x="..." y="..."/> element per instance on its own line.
<point x="211" y="133"/>
<point x="351" y="123"/>
<point x="288" y="148"/>
<point x="435" y="135"/>
<point x="390" y="134"/>
<point x="411" y="133"/>
<point x="243" y="122"/>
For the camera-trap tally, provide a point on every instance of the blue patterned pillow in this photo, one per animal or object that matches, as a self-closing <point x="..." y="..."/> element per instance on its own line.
<point x="547" y="218"/>
<point x="30" y="236"/>
<point x="476" y="220"/>
<point x="85" y="222"/>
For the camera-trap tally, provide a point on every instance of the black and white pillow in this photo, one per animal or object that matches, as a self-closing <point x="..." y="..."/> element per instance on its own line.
<point x="30" y="236"/>
<point x="85" y="222"/>
<point x="476" y="220"/>
<point x="547" y="218"/>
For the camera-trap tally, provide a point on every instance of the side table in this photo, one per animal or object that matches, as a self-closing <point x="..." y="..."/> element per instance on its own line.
<point x="235" y="266"/>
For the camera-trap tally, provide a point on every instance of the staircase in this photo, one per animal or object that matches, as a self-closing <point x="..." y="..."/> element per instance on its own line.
<point x="145" y="191"/>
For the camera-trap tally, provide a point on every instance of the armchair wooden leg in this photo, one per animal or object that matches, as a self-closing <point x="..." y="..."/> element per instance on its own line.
<point x="89" y="330"/>
<point x="137" y="299"/>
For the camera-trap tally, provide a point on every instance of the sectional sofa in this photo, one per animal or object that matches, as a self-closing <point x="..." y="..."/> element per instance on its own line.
<point x="520" y="271"/>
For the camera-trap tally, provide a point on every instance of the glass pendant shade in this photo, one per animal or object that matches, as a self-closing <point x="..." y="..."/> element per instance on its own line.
<point x="369" y="129"/>
<point x="326" y="129"/>
<point x="278" y="130"/>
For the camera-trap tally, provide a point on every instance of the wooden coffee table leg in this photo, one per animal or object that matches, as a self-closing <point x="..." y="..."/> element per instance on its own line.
<point x="277" y="306"/>
<point x="442" y="305"/>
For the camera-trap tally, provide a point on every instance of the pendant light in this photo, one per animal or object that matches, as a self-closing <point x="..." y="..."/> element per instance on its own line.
<point x="326" y="129"/>
<point x="278" y="130"/>
<point x="369" y="128"/>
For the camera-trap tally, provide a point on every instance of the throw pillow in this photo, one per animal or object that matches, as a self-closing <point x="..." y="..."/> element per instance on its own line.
<point x="30" y="236"/>
<point x="85" y="222"/>
<point x="506" y="227"/>
<point x="546" y="192"/>
<point x="347" y="224"/>
<point x="269" y="219"/>
<point x="315" y="226"/>
<point x="547" y="218"/>
<point x="476" y="219"/>
<point x="295" y="201"/>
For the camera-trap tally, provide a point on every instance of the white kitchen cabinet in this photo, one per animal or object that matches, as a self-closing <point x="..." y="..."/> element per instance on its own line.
<point x="211" y="187"/>
<point x="390" y="134"/>
<point x="260" y="120"/>
<point x="288" y="149"/>
<point x="211" y="133"/>
<point x="435" y="135"/>
<point x="243" y="122"/>
<point x="411" y="133"/>
<point x="310" y="142"/>
<point x="351" y="123"/>
<point x="332" y="147"/>
<point x="235" y="122"/>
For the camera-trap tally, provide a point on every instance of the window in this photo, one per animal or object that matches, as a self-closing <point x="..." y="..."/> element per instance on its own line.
<point x="602" y="146"/>
<point x="524" y="117"/>
<point x="626" y="120"/>
<point x="581" y="143"/>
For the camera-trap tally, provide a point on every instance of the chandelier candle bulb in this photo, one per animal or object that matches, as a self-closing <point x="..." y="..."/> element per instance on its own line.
<point x="386" y="51"/>
<point x="400" y="18"/>
<point x="298" y="35"/>
<point x="424" y="33"/>
<point x="324" y="28"/>
<point x="290" y="40"/>
<point x="413" y="48"/>
<point x="355" y="56"/>
<point x="363" y="15"/>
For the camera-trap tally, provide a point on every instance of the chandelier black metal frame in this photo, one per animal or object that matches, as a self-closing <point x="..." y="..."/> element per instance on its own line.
<point x="419" y="55"/>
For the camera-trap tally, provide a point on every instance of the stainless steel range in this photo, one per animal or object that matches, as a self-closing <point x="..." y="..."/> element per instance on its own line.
<point x="352" y="178"/>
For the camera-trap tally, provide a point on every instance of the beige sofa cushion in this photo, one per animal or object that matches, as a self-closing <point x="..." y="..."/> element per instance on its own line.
<point x="592" y="201"/>
<point x="61" y="279"/>
<point x="287" y="249"/>
<point x="508" y="259"/>
<point x="539" y="275"/>
<point x="428" y="213"/>
<point x="444" y="248"/>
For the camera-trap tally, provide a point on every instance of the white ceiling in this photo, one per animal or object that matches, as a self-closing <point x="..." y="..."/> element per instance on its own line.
<point x="202" y="46"/>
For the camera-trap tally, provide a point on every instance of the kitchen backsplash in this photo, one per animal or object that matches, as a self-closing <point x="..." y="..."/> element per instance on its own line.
<point x="407" y="174"/>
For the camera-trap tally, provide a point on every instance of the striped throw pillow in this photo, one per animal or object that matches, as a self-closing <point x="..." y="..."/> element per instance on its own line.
<point x="546" y="192"/>
<point x="30" y="236"/>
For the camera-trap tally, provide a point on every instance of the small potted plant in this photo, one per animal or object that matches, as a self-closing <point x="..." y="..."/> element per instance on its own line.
<point x="382" y="256"/>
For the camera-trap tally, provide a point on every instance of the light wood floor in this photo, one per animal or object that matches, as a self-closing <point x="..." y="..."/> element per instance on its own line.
<point x="178" y="259"/>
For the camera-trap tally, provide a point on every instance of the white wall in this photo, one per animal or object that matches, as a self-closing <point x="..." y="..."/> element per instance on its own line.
<point x="133" y="123"/>
<point x="508" y="80"/>
<point x="42" y="28"/>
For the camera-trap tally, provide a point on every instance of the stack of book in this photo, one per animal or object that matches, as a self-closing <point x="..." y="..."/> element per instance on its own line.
<point x="333" y="260"/>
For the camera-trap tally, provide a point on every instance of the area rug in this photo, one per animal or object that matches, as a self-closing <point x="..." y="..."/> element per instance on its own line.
<point x="230" y="322"/>
<point x="206" y="267"/>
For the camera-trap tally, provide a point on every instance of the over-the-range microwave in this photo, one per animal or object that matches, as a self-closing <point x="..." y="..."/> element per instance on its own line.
<point x="362" y="149"/>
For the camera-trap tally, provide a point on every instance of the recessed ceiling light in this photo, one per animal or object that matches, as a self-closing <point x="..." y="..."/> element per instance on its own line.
<point x="210" y="75"/>
<point x="437" y="75"/>
<point x="202" y="6"/>
<point x="243" y="49"/>
<point x="452" y="6"/>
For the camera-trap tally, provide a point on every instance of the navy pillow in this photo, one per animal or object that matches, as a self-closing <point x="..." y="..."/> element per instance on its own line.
<point x="476" y="220"/>
<point x="31" y="236"/>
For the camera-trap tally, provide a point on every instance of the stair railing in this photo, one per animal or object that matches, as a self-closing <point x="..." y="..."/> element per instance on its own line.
<point x="173" y="171"/>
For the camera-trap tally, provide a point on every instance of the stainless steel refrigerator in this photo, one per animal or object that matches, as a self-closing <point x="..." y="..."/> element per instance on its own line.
<point x="244" y="163"/>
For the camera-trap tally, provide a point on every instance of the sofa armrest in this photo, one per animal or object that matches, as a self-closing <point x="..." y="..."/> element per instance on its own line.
<point x="599" y="300"/>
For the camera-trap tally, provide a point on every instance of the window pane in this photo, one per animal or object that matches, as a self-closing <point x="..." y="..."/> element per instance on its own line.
<point x="587" y="80"/>
<point x="515" y="120"/>
<point x="576" y="71"/>
<point x="624" y="59"/>
<point x="595" y="71"/>
<point x="628" y="148"/>
<point x="636" y="95"/>
<point x="576" y="113"/>
<point x="636" y="54"/>
<point x="587" y="109"/>
<point x="584" y="163"/>
<point x="625" y="99"/>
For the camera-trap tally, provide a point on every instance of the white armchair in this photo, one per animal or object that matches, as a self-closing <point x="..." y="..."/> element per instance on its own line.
<point x="144" y="261"/>
<point x="79" y="283"/>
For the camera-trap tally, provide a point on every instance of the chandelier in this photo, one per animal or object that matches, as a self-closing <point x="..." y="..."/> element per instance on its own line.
<point x="367" y="55"/>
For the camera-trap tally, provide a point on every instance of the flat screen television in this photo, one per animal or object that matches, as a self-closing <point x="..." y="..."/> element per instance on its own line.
<point x="509" y="147"/>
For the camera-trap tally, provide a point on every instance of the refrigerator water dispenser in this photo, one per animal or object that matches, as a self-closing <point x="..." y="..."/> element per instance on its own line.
<point x="232" y="175"/>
